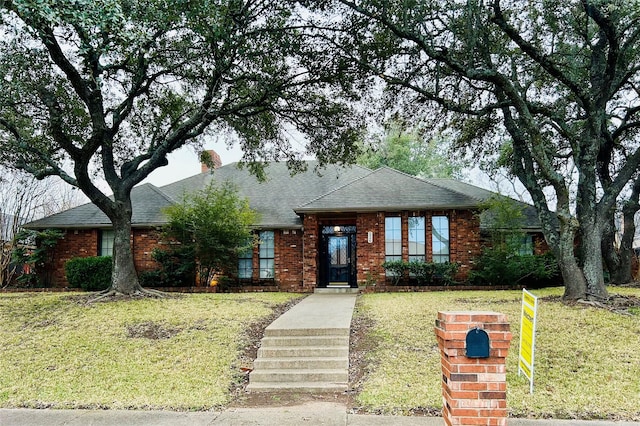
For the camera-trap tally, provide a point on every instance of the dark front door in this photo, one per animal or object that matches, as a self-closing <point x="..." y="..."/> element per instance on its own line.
<point x="338" y="256"/>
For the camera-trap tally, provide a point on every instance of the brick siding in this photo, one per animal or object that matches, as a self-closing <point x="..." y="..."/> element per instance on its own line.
<point x="464" y="234"/>
<point x="74" y="243"/>
<point x="310" y="252"/>
<point x="288" y="259"/>
<point x="370" y="255"/>
<point x="84" y="243"/>
<point x="296" y="252"/>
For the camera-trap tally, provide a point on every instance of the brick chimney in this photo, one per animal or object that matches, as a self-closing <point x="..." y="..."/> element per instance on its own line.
<point x="215" y="159"/>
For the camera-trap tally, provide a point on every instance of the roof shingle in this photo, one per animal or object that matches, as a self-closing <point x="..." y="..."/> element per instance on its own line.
<point x="282" y="196"/>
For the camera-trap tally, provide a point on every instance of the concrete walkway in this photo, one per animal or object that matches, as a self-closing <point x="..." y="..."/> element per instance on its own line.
<point x="309" y="414"/>
<point x="326" y="312"/>
<point x="307" y="348"/>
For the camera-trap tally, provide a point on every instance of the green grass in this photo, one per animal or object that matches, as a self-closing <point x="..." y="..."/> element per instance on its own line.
<point x="587" y="360"/>
<point x="55" y="352"/>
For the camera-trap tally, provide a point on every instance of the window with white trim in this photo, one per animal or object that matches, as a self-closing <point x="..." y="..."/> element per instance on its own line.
<point x="417" y="241"/>
<point x="267" y="254"/>
<point x="105" y="243"/>
<point x="245" y="262"/>
<point x="440" y="239"/>
<point x="392" y="239"/>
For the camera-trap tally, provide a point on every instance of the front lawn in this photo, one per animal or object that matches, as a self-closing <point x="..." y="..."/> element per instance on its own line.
<point x="184" y="353"/>
<point x="587" y="359"/>
<point x="177" y="353"/>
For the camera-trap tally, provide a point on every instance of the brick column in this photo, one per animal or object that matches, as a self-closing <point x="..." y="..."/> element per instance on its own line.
<point x="310" y="250"/>
<point x="474" y="390"/>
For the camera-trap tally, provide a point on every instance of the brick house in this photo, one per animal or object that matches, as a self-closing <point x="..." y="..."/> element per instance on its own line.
<point x="334" y="227"/>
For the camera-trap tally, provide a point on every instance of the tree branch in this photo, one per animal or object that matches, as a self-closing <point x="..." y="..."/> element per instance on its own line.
<point x="538" y="57"/>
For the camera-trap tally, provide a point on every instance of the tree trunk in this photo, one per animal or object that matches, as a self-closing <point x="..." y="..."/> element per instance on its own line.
<point x="624" y="274"/>
<point x="610" y="253"/>
<point x="575" y="285"/>
<point x="124" y="278"/>
<point x="592" y="261"/>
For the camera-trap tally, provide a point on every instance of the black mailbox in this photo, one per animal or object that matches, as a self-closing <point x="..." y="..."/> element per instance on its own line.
<point x="477" y="343"/>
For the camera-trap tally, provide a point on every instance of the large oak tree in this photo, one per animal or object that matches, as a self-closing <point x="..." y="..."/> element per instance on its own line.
<point x="551" y="86"/>
<point x="102" y="90"/>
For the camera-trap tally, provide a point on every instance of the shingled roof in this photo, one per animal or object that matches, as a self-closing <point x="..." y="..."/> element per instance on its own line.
<point x="391" y="190"/>
<point x="275" y="198"/>
<point x="282" y="197"/>
<point x="147" y="201"/>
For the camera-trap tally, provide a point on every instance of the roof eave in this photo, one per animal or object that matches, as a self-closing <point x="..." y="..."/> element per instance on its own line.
<point x="386" y="208"/>
<point x="277" y="226"/>
<point x="94" y="226"/>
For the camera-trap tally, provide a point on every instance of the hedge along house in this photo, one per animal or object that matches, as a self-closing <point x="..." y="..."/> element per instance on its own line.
<point x="334" y="227"/>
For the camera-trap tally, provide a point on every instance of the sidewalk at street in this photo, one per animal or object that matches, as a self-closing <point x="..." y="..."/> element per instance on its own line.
<point x="308" y="414"/>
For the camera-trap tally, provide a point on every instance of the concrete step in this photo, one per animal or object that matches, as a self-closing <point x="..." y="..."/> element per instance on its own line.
<point x="303" y="351"/>
<point x="275" y="332"/>
<point x="312" y="341"/>
<point x="295" y="376"/>
<point x="310" y="364"/>
<point x="336" y="290"/>
<point x="307" y="348"/>
<point x="316" y="387"/>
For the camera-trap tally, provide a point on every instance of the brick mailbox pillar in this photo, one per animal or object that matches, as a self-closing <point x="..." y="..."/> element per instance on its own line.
<point x="474" y="387"/>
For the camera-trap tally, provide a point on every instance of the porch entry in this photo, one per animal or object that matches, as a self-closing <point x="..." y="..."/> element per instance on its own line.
<point x="338" y="256"/>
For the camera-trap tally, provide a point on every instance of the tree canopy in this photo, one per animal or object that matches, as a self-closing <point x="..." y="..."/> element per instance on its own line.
<point x="214" y="225"/>
<point x="407" y="150"/>
<point x="95" y="91"/>
<point x="553" y="87"/>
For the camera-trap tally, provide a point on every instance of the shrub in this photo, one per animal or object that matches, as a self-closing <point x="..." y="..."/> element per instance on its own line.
<point x="177" y="268"/>
<point x="36" y="258"/>
<point x="89" y="273"/>
<point x="424" y="273"/>
<point x="395" y="270"/>
<point x="502" y="267"/>
<point x="215" y="225"/>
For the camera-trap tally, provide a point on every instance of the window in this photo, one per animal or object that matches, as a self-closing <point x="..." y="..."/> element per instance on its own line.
<point x="440" y="238"/>
<point x="245" y="262"/>
<point x="417" y="246"/>
<point x="392" y="239"/>
<point x="105" y="243"/>
<point x="266" y="250"/>
<point x="526" y="245"/>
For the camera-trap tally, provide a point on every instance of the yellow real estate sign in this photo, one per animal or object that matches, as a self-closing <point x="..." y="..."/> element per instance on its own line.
<point x="528" y="336"/>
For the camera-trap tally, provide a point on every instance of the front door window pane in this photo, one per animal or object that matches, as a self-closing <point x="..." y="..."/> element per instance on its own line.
<point x="338" y="250"/>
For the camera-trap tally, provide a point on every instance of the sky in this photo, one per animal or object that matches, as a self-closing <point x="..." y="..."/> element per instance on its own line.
<point x="185" y="162"/>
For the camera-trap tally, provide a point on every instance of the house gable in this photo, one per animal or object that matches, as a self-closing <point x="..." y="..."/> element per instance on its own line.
<point x="387" y="189"/>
